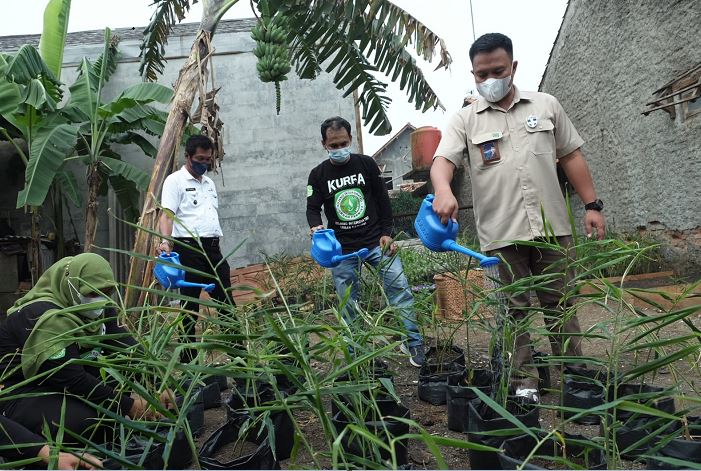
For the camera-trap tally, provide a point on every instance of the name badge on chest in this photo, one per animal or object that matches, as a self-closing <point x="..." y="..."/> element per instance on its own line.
<point x="488" y="144"/>
<point x="194" y="193"/>
<point x="490" y="152"/>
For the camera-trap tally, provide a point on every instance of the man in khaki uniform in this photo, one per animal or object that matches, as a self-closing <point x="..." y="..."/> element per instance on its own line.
<point x="515" y="140"/>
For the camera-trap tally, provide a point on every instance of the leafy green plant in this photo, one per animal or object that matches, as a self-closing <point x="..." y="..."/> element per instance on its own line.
<point x="299" y="280"/>
<point x="650" y="260"/>
<point x="84" y="129"/>
<point x="405" y="203"/>
<point x="421" y="265"/>
<point x="309" y="349"/>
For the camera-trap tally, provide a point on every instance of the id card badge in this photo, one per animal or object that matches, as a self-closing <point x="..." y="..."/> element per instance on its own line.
<point x="488" y="144"/>
<point x="490" y="152"/>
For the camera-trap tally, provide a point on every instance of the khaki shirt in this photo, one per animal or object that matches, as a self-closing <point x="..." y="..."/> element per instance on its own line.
<point x="512" y="163"/>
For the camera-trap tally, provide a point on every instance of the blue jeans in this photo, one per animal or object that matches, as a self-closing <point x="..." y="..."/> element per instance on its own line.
<point x="347" y="273"/>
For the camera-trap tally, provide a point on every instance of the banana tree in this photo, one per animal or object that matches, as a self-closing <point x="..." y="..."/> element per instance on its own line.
<point x="103" y="124"/>
<point x="29" y="93"/>
<point x="32" y="109"/>
<point x="83" y="130"/>
<point x="356" y="40"/>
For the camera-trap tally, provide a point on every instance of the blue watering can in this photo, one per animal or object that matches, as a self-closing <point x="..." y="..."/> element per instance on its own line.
<point x="174" y="277"/>
<point x="326" y="249"/>
<point x="441" y="238"/>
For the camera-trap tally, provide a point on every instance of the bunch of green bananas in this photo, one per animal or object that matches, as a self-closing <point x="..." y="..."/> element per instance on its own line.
<point x="271" y="30"/>
<point x="272" y="52"/>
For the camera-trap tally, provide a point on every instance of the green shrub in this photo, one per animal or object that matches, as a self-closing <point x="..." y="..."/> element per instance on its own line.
<point x="420" y="265"/>
<point x="404" y="203"/>
<point x="648" y="260"/>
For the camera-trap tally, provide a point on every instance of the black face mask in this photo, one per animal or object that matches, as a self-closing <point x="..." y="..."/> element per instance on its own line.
<point x="198" y="167"/>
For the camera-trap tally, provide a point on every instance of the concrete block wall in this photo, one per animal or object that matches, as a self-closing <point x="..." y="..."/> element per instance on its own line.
<point x="268" y="157"/>
<point x="608" y="59"/>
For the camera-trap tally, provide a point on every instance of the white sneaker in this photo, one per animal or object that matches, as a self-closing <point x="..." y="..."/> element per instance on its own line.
<point x="530" y="394"/>
<point x="416" y="354"/>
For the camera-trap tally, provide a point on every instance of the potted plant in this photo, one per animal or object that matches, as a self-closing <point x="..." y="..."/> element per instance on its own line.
<point x="547" y="451"/>
<point x="681" y="448"/>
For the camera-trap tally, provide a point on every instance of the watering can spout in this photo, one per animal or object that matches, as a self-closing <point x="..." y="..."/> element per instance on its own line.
<point x="362" y="253"/>
<point x="173" y="275"/>
<point x="440" y="237"/>
<point x="451" y="245"/>
<point x="208" y="288"/>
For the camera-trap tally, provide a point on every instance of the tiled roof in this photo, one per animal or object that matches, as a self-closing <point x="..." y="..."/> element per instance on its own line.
<point x="12" y="43"/>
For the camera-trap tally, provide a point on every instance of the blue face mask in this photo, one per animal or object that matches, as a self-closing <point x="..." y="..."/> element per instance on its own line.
<point x="198" y="167"/>
<point x="340" y="156"/>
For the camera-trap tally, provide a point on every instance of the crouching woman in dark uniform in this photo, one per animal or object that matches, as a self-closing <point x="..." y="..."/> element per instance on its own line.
<point x="46" y="333"/>
<point x="17" y="444"/>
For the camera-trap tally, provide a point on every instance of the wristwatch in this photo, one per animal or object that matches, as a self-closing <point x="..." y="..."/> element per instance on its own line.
<point x="597" y="205"/>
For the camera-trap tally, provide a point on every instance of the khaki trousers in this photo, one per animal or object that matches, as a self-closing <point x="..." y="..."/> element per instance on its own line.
<point x="522" y="261"/>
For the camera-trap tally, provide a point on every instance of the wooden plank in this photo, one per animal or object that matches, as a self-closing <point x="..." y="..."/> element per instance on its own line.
<point x="688" y="72"/>
<point x="679" y="92"/>
<point x="683" y="100"/>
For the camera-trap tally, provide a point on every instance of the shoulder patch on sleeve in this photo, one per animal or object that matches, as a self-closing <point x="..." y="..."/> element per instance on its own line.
<point x="310" y="191"/>
<point x="58" y="355"/>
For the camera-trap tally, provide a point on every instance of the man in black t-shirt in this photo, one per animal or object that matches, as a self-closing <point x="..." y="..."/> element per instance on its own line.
<point x="350" y="189"/>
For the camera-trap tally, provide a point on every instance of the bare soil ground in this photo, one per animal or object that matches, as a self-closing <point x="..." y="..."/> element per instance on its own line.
<point x="434" y="418"/>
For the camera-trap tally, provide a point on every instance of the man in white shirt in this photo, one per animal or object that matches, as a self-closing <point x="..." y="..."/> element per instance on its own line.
<point x="190" y="204"/>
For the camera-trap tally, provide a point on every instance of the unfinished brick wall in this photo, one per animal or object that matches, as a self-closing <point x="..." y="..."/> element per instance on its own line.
<point x="681" y="249"/>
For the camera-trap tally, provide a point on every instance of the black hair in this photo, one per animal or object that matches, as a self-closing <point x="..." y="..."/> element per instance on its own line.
<point x="336" y="123"/>
<point x="491" y="42"/>
<point x="198" y="141"/>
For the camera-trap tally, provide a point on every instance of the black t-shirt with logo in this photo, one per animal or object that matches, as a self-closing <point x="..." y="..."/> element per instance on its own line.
<point x="355" y="201"/>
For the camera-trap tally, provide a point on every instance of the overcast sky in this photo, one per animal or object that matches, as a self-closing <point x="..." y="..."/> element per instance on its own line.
<point x="531" y="25"/>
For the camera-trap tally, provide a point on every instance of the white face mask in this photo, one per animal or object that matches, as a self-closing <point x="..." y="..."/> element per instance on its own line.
<point x="83" y="300"/>
<point x="96" y="312"/>
<point x="494" y="89"/>
<point x="339" y="156"/>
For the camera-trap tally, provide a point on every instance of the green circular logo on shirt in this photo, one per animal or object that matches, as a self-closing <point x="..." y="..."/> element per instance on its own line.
<point x="349" y="204"/>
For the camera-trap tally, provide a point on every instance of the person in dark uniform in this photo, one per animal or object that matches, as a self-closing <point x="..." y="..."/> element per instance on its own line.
<point x="350" y="190"/>
<point x="58" y="322"/>
<point x="190" y="197"/>
<point x="19" y="444"/>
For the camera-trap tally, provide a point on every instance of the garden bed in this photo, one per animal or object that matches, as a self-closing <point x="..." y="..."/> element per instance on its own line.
<point x="434" y="418"/>
<point x="645" y="290"/>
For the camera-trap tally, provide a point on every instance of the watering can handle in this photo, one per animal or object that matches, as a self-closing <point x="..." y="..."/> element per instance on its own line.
<point x="362" y="253"/>
<point x="186" y="284"/>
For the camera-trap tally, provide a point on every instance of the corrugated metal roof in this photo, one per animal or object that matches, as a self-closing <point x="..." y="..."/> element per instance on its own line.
<point x="12" y="43"/>
<point x="407" y="126"/>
